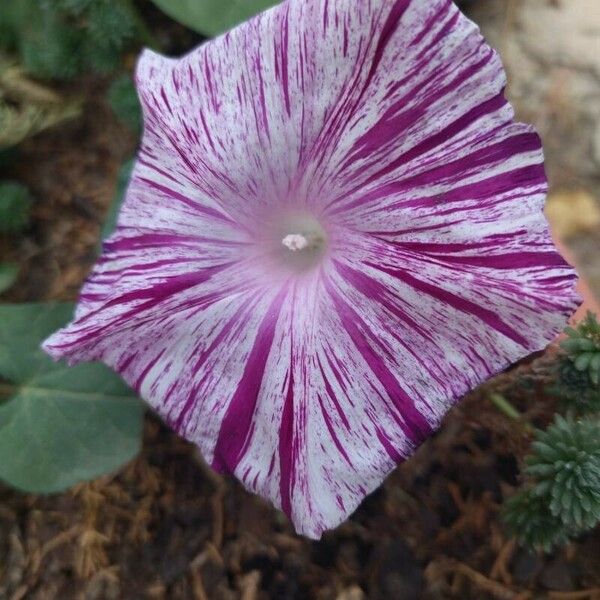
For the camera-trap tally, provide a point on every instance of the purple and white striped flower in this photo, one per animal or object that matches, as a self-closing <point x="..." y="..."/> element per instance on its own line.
<point x="333" y="231"/>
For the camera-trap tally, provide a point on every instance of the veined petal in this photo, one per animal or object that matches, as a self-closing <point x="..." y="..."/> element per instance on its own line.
<point x="375" y="136"/>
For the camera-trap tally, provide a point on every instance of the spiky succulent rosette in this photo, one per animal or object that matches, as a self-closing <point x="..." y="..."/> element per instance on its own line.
<point x="333" y="231"/>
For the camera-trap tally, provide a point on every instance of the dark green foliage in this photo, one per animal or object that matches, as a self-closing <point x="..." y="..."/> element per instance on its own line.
<point x="578" y="372"/>
<point x="113" y="212"/>
<point x="565" y="466"/>
<point x="562" y="499"/>
<point x="7" y="157"/>
<point x="583" y="347"/>
<point x="15" y="204"/>
<point x="111" y="26"/>
<point x="123" y="99"/>
<point x="48" y="47"/>
<point x="58" y="39"/>
<point x="529" y="519"/>
<point x="8" y="275"/>
<point x="575" y="389"/>
<point x="7" y="33"/>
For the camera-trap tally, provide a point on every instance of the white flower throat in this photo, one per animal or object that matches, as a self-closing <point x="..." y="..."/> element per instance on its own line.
<point x="300" y="239"/>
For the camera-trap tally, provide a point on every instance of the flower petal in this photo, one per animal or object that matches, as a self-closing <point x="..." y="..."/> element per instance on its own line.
<point x="387" y="121"/>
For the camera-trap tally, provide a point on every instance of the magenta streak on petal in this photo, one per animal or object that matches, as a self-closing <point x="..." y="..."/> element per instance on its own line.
<point x="489" y="317"/>
<point x="153" y="295"/>
<point x="263" y="101"/>
<point x="426" y="56"/>
<point x="113" y="275"/>
<point x="381" y="234"/>
<point x="202" y="358"/>
<point x="288" y="451"/>
<point x="413" y="424"/>
<point x="149" y="240"/>
<point x="163" y="95"/>
<point x="237" y="423"/>
<point x="191" y="134"/>
<point x="325" y="15"/>
<point x="395" y="119"/>
<point x="377" y="291"/>
<point x="387" y="128"/>
<point x="207" y="131"/>
<point x="428" y="25"/>
<point x="196" y="206"/>
<point x="514" y="260"/>
<point x="331" y="429"/>
<point x="344" y="105"/>
<point x="284" y="62"/>
<point x="485" y="277"/>
<point x="161" y="291"/>
<point x="330" y="391"/>
<point x="489" y="189"/>
<point x="153" y="167"/>
<point x="431" y="142"/>
<point x="388" y="30"/>
<point x="209" y="83"/>
<point x="516" y="144"/>
<point x="389" y="447"/>
<point x="151" y="364"/>
<point x="175" y="81"/>
<point x="435" y="248"/>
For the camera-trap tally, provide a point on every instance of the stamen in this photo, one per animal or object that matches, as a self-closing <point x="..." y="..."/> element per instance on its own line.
<point x="295" y="242"/>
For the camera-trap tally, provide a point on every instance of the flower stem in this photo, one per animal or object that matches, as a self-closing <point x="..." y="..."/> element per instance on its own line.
<point x="507" y="409"/>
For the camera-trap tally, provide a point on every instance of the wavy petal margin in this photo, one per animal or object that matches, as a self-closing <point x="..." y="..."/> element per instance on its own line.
<point x="386" y="122"/>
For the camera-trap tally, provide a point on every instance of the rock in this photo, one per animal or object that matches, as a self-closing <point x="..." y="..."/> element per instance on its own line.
<point x="556" y="576"/>
<point x="395" y="572"/>
<point x="551" y="51"/>
<point x="572" y="213"/>
<point x="351" y="593"/>
<point x="526" y="567"/>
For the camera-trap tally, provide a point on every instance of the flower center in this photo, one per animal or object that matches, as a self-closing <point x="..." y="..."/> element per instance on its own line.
<point x="298" y="242"/>
<point x="295" y="242"/>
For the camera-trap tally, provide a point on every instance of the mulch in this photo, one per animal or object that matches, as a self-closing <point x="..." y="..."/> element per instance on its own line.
<point x="167" y="527"/>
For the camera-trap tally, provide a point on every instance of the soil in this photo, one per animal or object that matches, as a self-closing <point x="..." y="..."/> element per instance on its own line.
<point x="166" y="527"/>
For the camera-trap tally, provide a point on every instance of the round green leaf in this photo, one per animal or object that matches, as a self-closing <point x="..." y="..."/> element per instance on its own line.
<point x="212" y="17"/>
<point x="112" y="216"/>
<point x="8" y="275"/>
<point x="15" y="204"/>
<point x="59" y="425"/>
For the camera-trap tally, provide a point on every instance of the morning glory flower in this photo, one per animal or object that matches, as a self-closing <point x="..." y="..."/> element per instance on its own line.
<point x="333" y="231"/>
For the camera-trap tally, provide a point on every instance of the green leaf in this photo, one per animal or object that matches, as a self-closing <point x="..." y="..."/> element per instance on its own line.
<point x="8" y="275"/>
<point x="570" y="345"/>
<point x="15" y="204"/>
<point x="582" y="362"/>
<point x="59" y="425"/>
<point x="212" y="17"/>
<point x="595" y="367"/>
<point x="587" y="345"/>
<point x="123" y="100"/>
<point x="113" y="212"/>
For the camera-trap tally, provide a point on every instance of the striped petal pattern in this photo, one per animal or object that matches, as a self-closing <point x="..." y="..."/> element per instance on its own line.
<point x="333" y="231"/>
